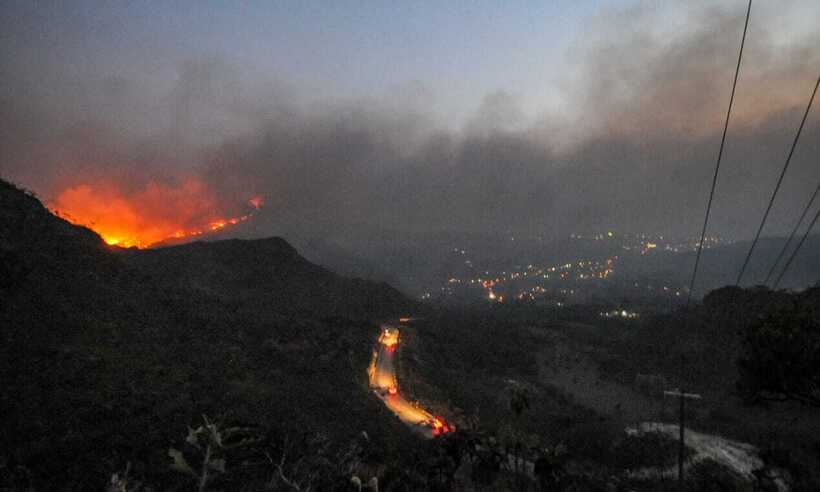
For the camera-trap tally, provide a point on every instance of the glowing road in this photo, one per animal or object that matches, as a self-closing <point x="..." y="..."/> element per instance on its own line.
<point x="383" y="381"/>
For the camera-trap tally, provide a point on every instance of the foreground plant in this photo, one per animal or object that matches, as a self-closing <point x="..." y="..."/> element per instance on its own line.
<point x="213" y="444"/>
<point x="122" y="482"/>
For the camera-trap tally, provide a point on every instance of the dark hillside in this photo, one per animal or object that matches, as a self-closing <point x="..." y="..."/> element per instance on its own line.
<point x="268" y="271"/>
<point x="107" y="355"/>
<point x="720" y="265"/>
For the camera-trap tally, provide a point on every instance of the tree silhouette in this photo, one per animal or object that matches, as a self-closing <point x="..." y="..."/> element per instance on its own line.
<point x="781" y="355"/>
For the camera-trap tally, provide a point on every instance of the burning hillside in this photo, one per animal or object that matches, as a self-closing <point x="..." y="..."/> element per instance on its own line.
<point x="151" y="213"/>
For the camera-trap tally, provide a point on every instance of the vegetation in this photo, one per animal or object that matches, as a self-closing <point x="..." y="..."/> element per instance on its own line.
<point x="473" y="361"/>
<point x="780" y="360"/>
<point x="108" y="355"/>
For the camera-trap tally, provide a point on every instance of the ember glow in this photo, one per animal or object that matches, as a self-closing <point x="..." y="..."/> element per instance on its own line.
<point x="150" y="214"/>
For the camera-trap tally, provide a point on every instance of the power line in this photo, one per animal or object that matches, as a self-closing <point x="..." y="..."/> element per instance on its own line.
<point x="719" y="156"/>
<point x="791" y="236"/>
<point x="777" y="186"/>
<point x="796" y="249"/>
<point x="703" y="231"/>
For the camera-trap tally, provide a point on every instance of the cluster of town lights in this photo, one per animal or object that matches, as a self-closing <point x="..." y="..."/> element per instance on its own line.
<point x="497" y="285"/>
<point x="587" y="269"/>
<point x="619" y="313"/>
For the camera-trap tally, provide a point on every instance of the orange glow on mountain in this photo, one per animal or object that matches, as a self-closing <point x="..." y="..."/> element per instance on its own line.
<point x="149" y="214"/>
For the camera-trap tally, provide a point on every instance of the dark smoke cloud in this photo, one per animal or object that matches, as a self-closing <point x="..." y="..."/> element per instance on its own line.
<point x="636" y="153"/>
<point x="659" y="104"/>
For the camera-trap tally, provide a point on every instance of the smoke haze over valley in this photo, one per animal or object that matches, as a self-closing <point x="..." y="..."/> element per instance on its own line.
<point x="630" y="146"/>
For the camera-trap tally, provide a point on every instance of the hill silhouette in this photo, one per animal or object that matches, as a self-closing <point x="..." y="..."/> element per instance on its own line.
<point x="108" y="354"/>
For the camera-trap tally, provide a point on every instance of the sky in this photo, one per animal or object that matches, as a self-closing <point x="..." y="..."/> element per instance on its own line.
<point x="535" y="117"/>
<point x="458" y="50"/>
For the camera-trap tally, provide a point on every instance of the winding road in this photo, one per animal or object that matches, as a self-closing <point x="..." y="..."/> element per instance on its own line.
<point x="383" y="382"/>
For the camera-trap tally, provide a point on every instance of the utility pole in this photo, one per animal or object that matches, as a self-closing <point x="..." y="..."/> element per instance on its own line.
<point x="682" y="397"/>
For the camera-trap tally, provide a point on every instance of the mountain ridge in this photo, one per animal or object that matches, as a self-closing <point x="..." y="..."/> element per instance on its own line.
<point x="108" y="354"/>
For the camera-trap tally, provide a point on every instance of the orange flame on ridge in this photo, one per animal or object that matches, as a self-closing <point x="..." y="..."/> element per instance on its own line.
<point x="148" y="215"/>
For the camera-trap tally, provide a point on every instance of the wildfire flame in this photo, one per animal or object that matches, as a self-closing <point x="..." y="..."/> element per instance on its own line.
<point x="149" y="215"/>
